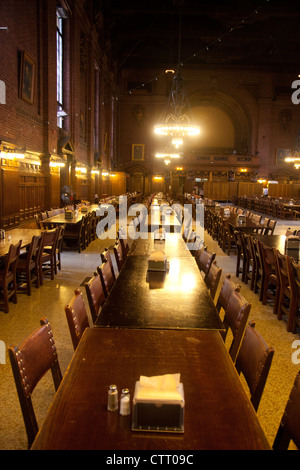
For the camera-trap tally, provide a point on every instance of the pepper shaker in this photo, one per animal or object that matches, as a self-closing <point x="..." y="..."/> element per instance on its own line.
<point x="112" y="400"/>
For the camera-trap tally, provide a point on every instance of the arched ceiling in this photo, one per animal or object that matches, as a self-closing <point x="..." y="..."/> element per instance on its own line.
<point x="256" y="33"/>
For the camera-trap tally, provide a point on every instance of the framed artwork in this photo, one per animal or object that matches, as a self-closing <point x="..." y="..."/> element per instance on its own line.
<point x="281" y="154"/>
<point x="138" y="152"/>
<point x="27" y="78"/>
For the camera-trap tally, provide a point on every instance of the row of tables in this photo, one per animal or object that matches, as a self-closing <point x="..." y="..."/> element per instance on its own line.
<point x="153" y="323"/>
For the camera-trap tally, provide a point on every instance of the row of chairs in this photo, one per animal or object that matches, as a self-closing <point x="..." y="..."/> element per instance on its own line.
<point x="274" y="207"/>
<point x="273" y="275"/>
<point x="22" y="269"/>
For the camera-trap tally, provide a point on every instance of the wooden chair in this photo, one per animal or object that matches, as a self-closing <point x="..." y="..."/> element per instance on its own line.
<point x="289" y="428"/>
<point x="46" y="259"/>
<point x="27" y="270"/>
<point x="107" y="277"/>
<point x="123" y="241"/>
<point x="212" y="279"/>
<point x="269" y="230"/>
<point x="119" y="255"/>
<point x="235" y="319"/>
<point x="294" y="277"/>
<point x="58" y="250"/>
<point x="228" y="286"/>
<point x="249" y="274"/>
<point x="287" y="302"/>
<point x="240" y="258"/>
<point x="270" y="285"/>
<point x="95" y="295"/>
<point x="204" y="259"/>
<point x="258" y="268"/>
<point x="254" y="361"/>
<point x="77" y="317"/>
<point x="8" y="278"/>
<point x="30" y="360"/>
<point x="229" y="240"/>
<point x="74" y="236"/>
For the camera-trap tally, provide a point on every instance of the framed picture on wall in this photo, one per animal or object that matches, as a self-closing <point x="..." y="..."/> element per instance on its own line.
<point x="27" y="78"/>
<point x="138" y="152"/>
<point x="281" y="154"/>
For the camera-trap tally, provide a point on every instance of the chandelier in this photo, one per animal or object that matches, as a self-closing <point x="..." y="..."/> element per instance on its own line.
<point x="174" y="121"/>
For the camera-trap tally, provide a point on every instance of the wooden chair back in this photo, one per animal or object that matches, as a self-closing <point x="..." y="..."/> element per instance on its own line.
<point x="107" y="277"/>
<point x="77" y="317"/>
<point x="30" y="360"/>
<point x="212" y="279"/>
<point x="289" y="428"/>
<point x="95" y="295"/>
<point x="254" y="361"/>
<point x="236" y="317"/>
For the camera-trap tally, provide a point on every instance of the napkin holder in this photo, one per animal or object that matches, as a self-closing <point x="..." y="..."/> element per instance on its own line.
<point x="158" y="415"/>
<point x="69" y="214"/>
<point x="157" y="261"/>
<point x="2" y="234"/>
<point x="292" y="247"/>
<point x="241" y="219"/>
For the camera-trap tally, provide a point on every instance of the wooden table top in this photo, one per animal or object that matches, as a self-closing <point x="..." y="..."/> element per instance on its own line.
<point x="218" y="414"/>
<point x="177" y="298"/>
<point x="274" y="241"/>
<point x="60" y="219"/>
<point x="172" y="245"/>
<point x="15" y="235"/>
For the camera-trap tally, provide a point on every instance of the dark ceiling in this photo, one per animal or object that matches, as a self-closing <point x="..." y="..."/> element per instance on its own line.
<point x="248" y="33"/>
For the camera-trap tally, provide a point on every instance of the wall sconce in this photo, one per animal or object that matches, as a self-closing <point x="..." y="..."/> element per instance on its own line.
<point x="55" y="164"/>
<point x="81" y="169"/>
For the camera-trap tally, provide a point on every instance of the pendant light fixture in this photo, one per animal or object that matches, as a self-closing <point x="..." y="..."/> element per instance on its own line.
<point x="175" y="121"/>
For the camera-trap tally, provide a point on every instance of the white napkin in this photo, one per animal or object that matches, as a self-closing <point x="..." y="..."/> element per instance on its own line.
<point x="159" y="387"/>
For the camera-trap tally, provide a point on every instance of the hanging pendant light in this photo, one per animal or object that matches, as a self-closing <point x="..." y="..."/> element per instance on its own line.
<point x="174" y="121"/>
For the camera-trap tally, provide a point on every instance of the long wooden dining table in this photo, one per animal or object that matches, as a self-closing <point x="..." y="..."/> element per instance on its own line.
<point x="60" y="219"/>
<point x="217" y="412"/>
<point x="175" y="298"/>
<point x="15" y="235"/>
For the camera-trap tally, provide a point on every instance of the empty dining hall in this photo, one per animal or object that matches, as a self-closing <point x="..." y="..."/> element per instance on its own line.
<point x="149" y="228"/>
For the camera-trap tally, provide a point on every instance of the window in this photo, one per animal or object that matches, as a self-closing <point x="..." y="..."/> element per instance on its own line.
<point x="59" y="67"/>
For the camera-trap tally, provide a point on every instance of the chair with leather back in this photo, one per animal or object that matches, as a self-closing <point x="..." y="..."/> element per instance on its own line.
<point x="28" y="267"/>
<point x="254" y="361"/>
<point x="228" y="286"/>
<point x="95" y="295"/>
<point x="289" y="428"/>
<point x="204" y="259"/>
<point x="58" y="250"/>
<point x="269" y="230"/>
<point x="249" y="274"/>
<point x="212" y="279"/>
<point x="8" y="278"/>
<point x="30" y="360"/>
<point x="107" y="277"/>
<point x="235" y="320"/>
<point x="77" y="317"/>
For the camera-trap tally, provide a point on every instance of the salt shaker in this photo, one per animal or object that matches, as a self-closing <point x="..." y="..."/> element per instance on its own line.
<point x="125" y="402"/>
<point x="112" y="400"/>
